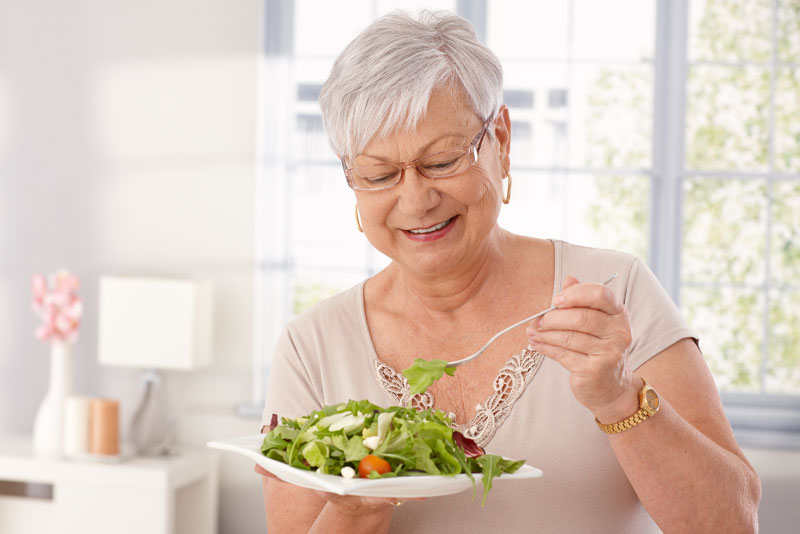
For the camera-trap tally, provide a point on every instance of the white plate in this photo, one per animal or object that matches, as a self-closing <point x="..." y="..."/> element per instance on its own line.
<point x="400" y="487"/>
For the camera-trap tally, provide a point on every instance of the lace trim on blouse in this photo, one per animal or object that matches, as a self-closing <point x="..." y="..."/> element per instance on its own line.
<point x="509" y="384"/>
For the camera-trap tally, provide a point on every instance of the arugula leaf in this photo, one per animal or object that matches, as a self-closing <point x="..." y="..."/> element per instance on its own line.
<point x="450" y="462"/>
<point x="331" y="467"/>
<point x="422" y="455"/>
<point x="423" y="373"/>
<point x="491" y="469"/>
<point x="433" y="431"/>
<point x="276" y="454"/>
<point x="362" y="406"/>
<point x="292" y="449"/>
<point x="284" y="432"/>
<point x="510" y="466"/>
<point x="273" y="441"/>
<point x="493" y="466"/>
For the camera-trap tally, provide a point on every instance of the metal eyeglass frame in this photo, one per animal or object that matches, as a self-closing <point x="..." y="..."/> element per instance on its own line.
<point x="471" y="149"/>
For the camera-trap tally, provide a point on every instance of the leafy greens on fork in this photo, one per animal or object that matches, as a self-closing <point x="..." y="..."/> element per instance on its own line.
<point x="423" y="373"/>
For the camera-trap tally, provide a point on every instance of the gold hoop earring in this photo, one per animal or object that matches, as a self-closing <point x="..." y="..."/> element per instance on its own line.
<point x="507" y="198"/>
<point x="358" y="222"/>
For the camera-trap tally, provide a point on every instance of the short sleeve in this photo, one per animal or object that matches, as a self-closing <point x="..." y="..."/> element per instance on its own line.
<point x="656" y="321"/>
<point x="290" y="391"/>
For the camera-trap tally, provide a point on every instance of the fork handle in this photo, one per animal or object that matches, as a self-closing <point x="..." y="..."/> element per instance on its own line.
<point x="500" y="333"/>
<point x="513" y="326"/>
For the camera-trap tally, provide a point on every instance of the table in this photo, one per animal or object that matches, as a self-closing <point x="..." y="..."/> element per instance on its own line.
<point x="154" y="495"/>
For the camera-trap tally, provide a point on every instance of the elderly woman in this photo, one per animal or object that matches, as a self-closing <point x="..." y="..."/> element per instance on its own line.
<point x="608" y="394"/>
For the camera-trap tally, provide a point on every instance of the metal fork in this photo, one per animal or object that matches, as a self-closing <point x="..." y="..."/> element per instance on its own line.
<point x="513" y="326"/>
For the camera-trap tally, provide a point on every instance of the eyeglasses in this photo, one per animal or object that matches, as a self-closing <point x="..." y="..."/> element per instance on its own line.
<point x="439" y="165"/>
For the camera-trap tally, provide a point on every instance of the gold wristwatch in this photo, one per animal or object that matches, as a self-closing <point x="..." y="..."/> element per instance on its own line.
<point x="648" y="406"/>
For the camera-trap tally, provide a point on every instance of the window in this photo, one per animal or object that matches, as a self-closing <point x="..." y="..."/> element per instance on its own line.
<point x="664" y="128"/>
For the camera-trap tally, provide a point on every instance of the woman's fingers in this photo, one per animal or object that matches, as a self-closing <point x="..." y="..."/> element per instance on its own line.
<point x="569" y="359"/>
<point x="589" y="335"/>
<point x="348" y="501"/>
<point x="589" y="295"/>
<point x="599" y="329"/>
<point x="590" y="309"/>
<point x="356" y="504"/>
<point x="587" y="320"/>
<point x="568" y="340"/>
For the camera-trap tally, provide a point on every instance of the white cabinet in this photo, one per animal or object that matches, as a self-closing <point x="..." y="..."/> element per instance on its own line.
<point x="158" y="495"/>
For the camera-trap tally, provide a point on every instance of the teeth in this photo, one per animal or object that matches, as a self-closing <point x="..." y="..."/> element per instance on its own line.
<point x="432" y="228"/>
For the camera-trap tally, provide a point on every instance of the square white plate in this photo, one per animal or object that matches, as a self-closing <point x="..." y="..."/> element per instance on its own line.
<point x="399" y="487"/>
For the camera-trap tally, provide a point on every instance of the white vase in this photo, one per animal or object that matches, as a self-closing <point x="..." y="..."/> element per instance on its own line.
<point x="48" y="429"/>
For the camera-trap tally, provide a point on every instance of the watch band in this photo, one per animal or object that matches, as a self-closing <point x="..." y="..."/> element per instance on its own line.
<point x="648" y="406"/>
<point x="626" y="424"/>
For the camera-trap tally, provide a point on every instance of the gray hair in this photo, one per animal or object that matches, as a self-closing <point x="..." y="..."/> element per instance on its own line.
<point x="384" y="78"/>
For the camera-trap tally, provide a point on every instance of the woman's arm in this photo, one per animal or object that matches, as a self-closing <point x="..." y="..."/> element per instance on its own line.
<point x="291" y="510"/>
<point x="683" y="462"/>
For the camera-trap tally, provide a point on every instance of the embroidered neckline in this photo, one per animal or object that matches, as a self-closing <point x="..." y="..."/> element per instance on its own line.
<point x="509" y="384"/>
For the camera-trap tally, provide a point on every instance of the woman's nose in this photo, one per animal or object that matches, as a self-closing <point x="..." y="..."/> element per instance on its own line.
<point x="417" y="194"/>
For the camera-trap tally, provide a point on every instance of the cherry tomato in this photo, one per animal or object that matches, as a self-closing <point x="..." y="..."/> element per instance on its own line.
<point x="370" y="463"/>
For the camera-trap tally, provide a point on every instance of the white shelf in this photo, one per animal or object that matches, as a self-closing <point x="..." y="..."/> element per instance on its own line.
<point x="158" y="495"/>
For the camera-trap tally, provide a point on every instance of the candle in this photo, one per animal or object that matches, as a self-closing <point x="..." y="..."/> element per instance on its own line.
<point x="76" y="425"/>
<point x="104" y="426"/>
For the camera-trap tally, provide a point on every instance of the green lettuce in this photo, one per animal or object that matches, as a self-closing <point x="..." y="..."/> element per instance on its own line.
<point x="423" y="373"/>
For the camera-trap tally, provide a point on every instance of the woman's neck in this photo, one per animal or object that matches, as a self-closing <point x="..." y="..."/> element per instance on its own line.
<point x="465" y="286"/>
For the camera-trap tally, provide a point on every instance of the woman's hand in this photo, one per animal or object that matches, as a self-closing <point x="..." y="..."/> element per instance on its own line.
<point x="589" y="335"/>
<point x="351" y="504"/>
<point x="354" y="505"/>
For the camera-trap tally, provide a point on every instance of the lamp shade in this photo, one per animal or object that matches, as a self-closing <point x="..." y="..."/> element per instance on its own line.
<point x="158" y="323"/>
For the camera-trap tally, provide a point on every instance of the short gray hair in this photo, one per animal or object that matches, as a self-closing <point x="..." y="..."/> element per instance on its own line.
<point x="384" y="78"/>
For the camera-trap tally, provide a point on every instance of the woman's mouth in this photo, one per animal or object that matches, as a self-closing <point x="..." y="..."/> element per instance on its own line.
<point x="430" y="233"/>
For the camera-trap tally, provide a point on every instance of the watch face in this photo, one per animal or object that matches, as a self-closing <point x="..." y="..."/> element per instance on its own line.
<point x="652" y="399"/>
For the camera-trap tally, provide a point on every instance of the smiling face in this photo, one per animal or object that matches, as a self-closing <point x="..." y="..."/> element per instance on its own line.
<point x="432" y="226"/>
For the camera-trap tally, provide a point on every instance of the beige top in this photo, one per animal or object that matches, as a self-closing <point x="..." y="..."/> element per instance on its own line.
<point x="326" y="356"/>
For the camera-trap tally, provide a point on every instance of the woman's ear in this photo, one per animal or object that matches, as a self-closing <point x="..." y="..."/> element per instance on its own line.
<point x="502" y="133"/>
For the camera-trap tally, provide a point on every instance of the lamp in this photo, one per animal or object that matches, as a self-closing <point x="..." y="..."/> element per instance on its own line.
<point x="154" y="323"/>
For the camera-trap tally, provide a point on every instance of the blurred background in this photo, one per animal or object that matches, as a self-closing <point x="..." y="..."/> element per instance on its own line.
<point x="180" y="138"/>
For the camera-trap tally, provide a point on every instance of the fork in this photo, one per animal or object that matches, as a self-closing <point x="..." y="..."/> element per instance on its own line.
<point x="513" y="326"/>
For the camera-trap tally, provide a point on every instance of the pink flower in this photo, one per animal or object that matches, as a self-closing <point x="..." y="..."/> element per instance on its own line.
<point x="65" y="281"/>
<point x="39" y="287"/>
<point x="44" y="332"/>
<point x="58" y="306"/>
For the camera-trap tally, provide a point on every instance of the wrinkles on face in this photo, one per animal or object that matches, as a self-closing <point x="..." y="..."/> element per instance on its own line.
<point x="469" y="203"/>
<point x="404" y="147"/>
<point x="489" y="199"/>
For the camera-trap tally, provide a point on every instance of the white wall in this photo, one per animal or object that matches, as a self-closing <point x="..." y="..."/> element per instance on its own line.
<point x="780" y="489"/>
<point x="127" y="145"/>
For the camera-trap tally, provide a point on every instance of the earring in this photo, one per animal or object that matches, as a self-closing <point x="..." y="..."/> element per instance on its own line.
<point x="507" y="198"/>
<point x="358" y="222"/>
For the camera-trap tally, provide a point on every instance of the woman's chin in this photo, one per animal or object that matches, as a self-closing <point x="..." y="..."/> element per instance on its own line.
<point x="432" y="263"/>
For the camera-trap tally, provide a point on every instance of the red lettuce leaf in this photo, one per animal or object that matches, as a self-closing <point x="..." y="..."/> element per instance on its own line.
<point x="471" y="449"/>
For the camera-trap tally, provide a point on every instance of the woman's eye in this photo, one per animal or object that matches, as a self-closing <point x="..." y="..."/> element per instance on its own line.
<point x="441" y="165"/>
<point x="380" y="178"/>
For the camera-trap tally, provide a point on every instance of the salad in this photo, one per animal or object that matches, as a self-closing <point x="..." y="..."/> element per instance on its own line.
<point x="361" y="439"/>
